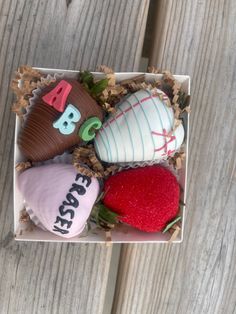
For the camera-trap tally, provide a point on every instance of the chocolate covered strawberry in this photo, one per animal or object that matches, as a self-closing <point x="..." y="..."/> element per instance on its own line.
<point x="145" y="198"/>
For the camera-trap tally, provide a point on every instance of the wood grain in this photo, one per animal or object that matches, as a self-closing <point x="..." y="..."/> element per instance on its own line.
<point x="44" y="277"/>
<point x="198" y="276"/>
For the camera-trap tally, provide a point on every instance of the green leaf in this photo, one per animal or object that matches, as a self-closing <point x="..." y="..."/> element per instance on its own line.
<point x="107" y="215"/>
<point x="87" y="79"/>
<point x="183" y="100"/>
<point x="171" y="224"/>
<point x="94" y="215"/>
<point x="103" y="216"/>
<point x="99" y="87"/>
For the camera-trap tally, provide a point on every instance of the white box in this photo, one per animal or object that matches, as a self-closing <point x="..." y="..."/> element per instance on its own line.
<point x="123" y="233"/>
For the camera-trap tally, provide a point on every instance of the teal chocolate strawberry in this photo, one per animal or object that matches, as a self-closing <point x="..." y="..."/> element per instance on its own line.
<point x="145" y="198"/>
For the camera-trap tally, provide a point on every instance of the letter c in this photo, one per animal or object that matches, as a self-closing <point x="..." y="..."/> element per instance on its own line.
<point x="88" y="128"/>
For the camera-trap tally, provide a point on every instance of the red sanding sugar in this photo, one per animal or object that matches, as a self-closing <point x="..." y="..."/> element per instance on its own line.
<point x="145" y="198"/>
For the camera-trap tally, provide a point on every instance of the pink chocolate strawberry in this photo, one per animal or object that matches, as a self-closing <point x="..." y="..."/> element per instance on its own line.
<point x="145" y="198"/>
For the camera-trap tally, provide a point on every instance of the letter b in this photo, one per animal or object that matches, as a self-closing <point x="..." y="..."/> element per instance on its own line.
<point x="66" y="122"/>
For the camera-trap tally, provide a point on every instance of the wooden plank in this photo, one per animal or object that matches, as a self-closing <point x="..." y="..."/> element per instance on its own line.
<point x="44" y="277"/>
<point x="198" y="276"/>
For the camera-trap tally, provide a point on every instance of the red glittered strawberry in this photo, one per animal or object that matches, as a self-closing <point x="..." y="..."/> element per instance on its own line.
<point x="145" y="198"/>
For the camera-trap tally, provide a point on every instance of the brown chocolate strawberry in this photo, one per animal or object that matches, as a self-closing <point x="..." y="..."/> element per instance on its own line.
<point x="145" y="198"/>
<point x="53" y="123"/>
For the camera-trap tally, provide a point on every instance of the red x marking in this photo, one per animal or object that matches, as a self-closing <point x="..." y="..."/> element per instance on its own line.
<point x="165" y="146"/>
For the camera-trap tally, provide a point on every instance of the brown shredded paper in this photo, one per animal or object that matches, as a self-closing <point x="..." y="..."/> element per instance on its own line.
<point x="25" y="81"/>
<point x="86" y="162"/>
<point x="24" y="216"/>
<point x="23" y="166"/>
<point x="174" y="231"/>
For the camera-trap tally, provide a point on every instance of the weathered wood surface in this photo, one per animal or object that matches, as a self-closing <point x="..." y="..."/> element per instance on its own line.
<point x="57" y="278"/>
<point x="198" y="276"/>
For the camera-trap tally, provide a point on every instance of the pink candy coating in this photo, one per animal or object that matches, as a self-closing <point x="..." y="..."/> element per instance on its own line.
<point x="59" y="197"/>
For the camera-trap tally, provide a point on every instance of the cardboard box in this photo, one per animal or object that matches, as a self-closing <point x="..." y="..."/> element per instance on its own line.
<point x="124" y="233"/>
